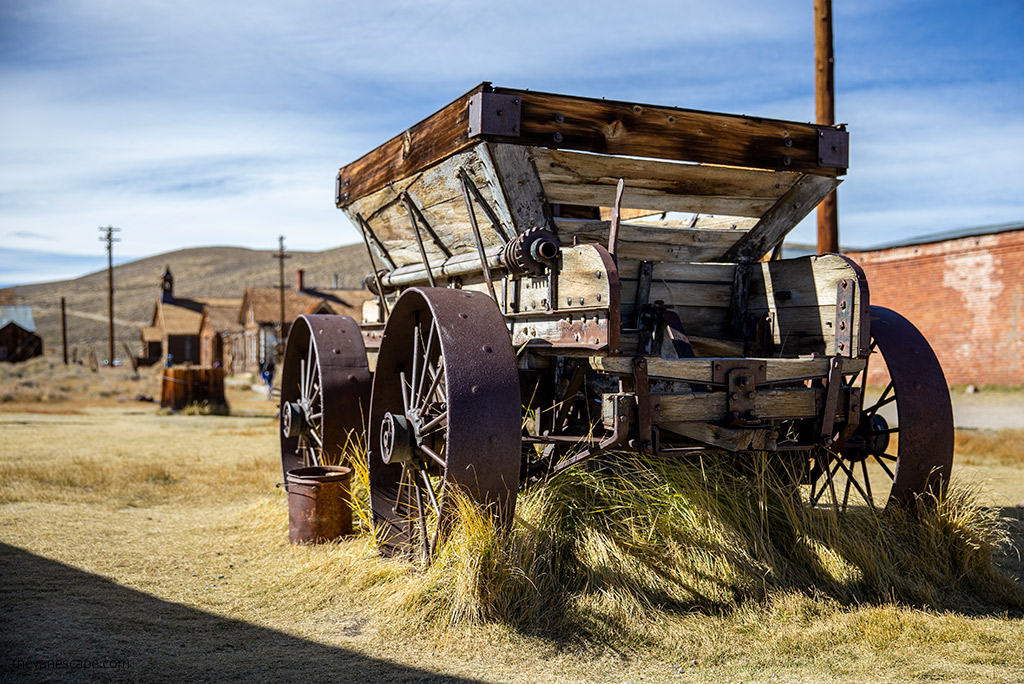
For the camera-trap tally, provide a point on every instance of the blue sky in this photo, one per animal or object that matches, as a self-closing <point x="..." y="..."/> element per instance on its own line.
<point x="195" y="123"/>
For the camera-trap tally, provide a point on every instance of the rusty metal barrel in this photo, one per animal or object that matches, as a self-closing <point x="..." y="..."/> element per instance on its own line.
<point x="318" y="504"/>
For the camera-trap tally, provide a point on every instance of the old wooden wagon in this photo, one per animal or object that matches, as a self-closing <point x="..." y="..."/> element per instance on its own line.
<point x="559" y="278"/>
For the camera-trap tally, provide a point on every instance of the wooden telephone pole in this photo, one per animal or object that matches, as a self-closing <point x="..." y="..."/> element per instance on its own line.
<point x="824" y="97"/>
<point x="110" y="240"/>
<point x="280" y="256"/>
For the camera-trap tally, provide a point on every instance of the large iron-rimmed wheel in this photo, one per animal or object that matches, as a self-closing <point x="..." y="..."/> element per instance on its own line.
<point x="445" y="414"/>
<point x="903" y="445"/>
<point x="325" y="392"/>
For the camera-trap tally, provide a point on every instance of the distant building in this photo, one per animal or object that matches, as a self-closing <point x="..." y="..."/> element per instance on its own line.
<point x="18" y="338"/>
<point x="175" y="334"/>
<point x="964" y="290"/>
<point x="260" y="318"/>
<point x="219" y="324"/>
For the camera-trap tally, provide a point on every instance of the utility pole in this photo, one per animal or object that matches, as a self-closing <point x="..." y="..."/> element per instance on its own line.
<point x="64" y="328"/>
<point x="280" y="256"/>
<point x="824" y="97"/>
<point x="110" y="240"/>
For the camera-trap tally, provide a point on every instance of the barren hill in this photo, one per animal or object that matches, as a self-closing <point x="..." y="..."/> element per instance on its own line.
<point x="198" y="272"/>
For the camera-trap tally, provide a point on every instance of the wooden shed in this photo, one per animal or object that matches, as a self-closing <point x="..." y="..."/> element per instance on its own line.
<point x="18" y="338"/>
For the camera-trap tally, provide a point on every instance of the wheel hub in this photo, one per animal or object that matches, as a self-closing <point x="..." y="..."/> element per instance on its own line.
<point x="396" y="439"/>
<point x="293" y="418"/>
<point x="878" y="435"/>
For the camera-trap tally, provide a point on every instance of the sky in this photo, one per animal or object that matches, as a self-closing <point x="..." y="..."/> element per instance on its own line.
<point x="193" y="123"/>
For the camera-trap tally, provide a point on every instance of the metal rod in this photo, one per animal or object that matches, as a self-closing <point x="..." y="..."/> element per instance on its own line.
<point x="426" y="224"/>
<point x="476" y="234"/>
<point x="458" y="265"/>
<point x="368" y="233"/>
<point x="373" y="265"/>
<point x="491" y="216"/>
<point x="613" y="233"/>
<point x="824" y="90"/>
<point x="419" y="242"/>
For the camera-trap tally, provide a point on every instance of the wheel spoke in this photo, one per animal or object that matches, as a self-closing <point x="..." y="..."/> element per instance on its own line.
<point x="434" y="423"/>
<point x="405" y="396"/>
<point x="416" y="340"/>
<point x="867" y="480"/>
<point x="856" y="484"/>
<point x="430" y="452"/>
<point x="427" y="350"/>
<point x="423" y="522"/>
<point x="430" y="491"/>
<point x="882" y="399"/>
<point x="846" y="492"/>
<point x="434" y="387"/>
<point x="888" y="472"/>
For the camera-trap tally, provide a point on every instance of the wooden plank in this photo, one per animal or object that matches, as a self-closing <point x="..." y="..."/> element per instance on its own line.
<point x="642" y="130"/>
<point x="730" y="439"/>
<point x="590" y="180"/>
<point x="408" y="153"/>
<point x="650" y="243"/>
<point x="516" y="172"/>
<point x="805" y="194"/>
<point x="702" y="407"/>
<point x="701" y="370"/>
<point x="603" y="126"/>
<point x="437" y="191"/>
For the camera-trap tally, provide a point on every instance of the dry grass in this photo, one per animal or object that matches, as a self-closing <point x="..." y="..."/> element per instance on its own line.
<point x="978" y="447"/>
<point x="654" y="571"/>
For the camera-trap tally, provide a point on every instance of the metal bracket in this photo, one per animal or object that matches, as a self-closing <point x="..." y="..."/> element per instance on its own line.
<point x="494" y="114"/>
<point x="845" y="292"/>
<point x="834" y="383"/>
<point x="833" y="147"/>
<point x="642" y="390"/>
<point x="741" y="378"/>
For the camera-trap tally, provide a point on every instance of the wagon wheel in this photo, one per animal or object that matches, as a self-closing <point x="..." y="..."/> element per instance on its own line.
<point x="325" y="391"/>
<point x="445" y="414"/>
<point x="896" y="452"/>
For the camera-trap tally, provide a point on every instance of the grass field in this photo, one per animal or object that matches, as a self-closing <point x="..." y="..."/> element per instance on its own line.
<point x="137" y="545"/>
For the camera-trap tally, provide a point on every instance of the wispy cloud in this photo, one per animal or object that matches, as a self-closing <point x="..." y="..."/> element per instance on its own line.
<point x="195" y="123"/>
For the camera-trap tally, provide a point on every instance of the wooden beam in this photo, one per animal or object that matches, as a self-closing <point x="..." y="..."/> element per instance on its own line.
<point x="591" y="125"/>
<point x="780" y="219"/>
<point x="590" y="180"/>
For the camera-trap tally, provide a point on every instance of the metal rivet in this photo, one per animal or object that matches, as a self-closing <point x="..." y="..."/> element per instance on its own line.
<point x="788" y="142"/>
<point x="559" y="117"/>
<point x="598" y="297"/>
<point x="487" y="348"/>
<point x="750" y="395"/>
<point x="786" y="161"/>
<point x="557" y="137"/>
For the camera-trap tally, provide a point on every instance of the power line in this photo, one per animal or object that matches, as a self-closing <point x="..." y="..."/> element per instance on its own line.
<point x="110" y="240"/>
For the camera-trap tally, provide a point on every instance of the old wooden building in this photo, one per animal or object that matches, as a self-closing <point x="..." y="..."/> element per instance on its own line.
<point x="219" y="323"/>
<point x="18" y="338"/>
<point x="260" y="318"/>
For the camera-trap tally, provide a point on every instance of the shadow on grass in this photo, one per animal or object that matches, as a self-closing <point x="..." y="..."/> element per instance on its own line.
<point x="60" y="623"/>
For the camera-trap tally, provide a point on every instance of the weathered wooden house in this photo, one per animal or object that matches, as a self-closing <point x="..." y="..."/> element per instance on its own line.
<point x="260" y="318"/>
<point x="18" y="338"/>
<point x="220" y="322"/>
<point x="188" y="330"/>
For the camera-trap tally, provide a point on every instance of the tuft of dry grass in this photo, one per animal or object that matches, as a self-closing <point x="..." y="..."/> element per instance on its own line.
<point x="985" y="447"/>
<point x="621" y="556"/>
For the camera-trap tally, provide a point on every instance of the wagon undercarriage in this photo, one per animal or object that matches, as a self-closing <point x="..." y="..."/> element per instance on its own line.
<point x="559" y="278"/>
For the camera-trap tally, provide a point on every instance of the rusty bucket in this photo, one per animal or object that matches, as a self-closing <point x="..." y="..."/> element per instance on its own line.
<point x="318" y="504"/>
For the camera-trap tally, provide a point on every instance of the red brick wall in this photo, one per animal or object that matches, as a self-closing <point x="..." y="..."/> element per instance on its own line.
<point x="967" y="297"/>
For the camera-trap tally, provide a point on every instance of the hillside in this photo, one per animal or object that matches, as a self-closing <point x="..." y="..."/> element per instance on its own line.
<point x="198" y="272"/>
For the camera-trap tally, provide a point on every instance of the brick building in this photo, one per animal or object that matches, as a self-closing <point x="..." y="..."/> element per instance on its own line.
<point x="965" y="291"/>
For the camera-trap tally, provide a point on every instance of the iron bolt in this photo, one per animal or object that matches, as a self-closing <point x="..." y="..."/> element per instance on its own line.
<point x="750" y="395"/>
<point x="559" y="117"/>
<point x="735" y="396"/>
<point x="788" y="142"/>
<point x="557" y="137"/>
<point x="786" y="161"/>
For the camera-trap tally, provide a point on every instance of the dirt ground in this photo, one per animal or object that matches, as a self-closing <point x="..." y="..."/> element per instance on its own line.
<point x="140" y="546"/>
